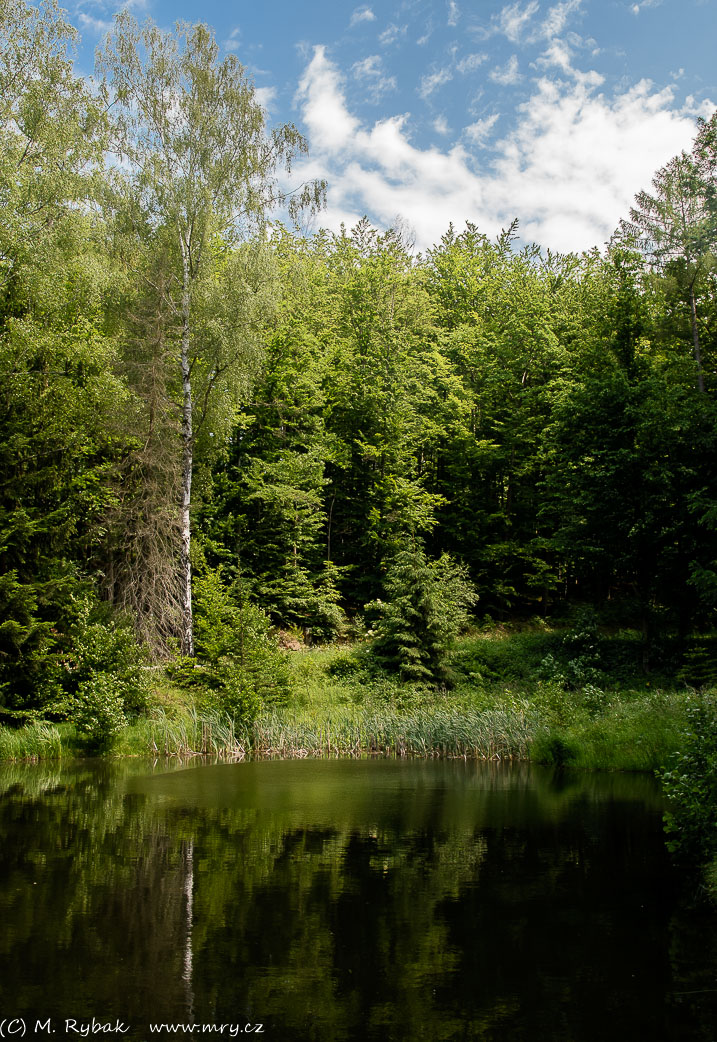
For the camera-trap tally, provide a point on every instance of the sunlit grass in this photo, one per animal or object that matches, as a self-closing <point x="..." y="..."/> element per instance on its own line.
<point x="500" y="706"/>
<point x="36" y="741"/>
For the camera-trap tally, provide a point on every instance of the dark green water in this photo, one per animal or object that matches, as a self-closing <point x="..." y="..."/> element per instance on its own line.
<point x="347" y="900"/>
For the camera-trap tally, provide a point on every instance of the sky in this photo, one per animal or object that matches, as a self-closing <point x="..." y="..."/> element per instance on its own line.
<point x="429" y="112"/>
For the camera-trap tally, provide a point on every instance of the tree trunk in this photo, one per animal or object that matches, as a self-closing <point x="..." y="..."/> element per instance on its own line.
<point x="187" y="635"/>
<point x="696" y="340"/>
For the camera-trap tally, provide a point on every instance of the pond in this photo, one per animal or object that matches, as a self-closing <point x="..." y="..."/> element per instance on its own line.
<point x="367" y="899"/>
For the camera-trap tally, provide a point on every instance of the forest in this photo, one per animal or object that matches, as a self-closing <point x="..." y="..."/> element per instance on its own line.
<point x="223" y="437"/>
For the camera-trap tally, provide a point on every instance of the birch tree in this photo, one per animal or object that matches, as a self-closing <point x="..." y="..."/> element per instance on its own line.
<point x="203" y="170"/>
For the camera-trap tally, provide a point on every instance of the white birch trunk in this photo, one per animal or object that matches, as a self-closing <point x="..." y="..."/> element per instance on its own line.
<point x="187" y="459"/>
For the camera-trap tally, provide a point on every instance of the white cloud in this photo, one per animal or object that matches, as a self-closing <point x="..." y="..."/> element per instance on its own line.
<point x="391" y="33"/>
<point x="508" y="74"/>
<point x="557" y="55"/>
<point x="441" y="126"/>
<point x="577" y="158"/>
<point x="453" y="12"/>
<point x="434" y="80"/>
<point x="568" y="171"/>
<point x="361" y="14"/>
<point x="557" y="18"/>
<point x="96" y="16"/>
<point x="636" y="8"/>
<point x="99" y="26"/>
<point x="478" y="132"/>
<point x="438" y="77"/>
<point x="470" y="63"/>
<point x="513" y="19"/>
<point x="330" y="124"/>
<point x="372" y="75"/>
<point x="703" y="109"/>
<point x="516" y="21"/>
<point x="266" y="97"/>
<point x="233" y="41"/>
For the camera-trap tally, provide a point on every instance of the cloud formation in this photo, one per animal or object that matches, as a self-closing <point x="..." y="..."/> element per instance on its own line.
<point x="507" y="75"/>
<point x="361" y="14"/>
<point x="513" y="19"/>
<point x="375" y="81"/>
<point x="568" y="170"/>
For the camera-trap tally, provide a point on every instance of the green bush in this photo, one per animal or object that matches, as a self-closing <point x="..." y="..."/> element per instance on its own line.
<point x="306" y="601"/>
<point x="98" y="712"/>
<point x="690" y="785"/>
<point x="238" y="659"/>
<point x="104" y="643"/>
<point x="497" y="655"/>
<point x="699" y="668"/>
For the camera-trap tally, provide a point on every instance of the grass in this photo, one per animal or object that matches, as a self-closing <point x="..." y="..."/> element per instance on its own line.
<point x="35" y="741"/>
<point x="551" y="696"/>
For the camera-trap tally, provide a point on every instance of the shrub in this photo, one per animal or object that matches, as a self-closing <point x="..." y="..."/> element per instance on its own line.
<point x="309" y="602"/>
<point x="98" y="712"/>
<point x="690" y="785"/>
<point x="699" y="668"/>
<point x="238" y="658"/>
<point x="426" y="608"/>
<point x="103" y="643"/>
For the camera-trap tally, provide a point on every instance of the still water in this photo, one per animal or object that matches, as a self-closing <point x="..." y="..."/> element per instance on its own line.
<point x="346" y="900"/>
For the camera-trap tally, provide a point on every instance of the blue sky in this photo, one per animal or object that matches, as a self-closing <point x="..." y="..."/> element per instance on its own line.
<point x="434" y="111"/>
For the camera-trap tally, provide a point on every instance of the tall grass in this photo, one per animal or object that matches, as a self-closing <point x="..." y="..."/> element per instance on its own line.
<point x="184" y="734"/>
<point x="359" y="731"/>
<point x="344" y="731"/>
<point x="503" y="706"/>
<point x="36" y="741"/>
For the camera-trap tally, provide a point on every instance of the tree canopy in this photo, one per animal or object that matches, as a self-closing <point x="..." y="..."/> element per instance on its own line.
<point x="314" y="424"/>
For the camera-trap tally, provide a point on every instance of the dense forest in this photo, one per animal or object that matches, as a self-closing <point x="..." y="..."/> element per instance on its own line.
<point x="216" y="430"/>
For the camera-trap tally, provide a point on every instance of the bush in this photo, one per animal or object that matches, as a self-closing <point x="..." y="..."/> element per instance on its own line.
<point x="306" y="601"/>
<point x="238" y="659"/>
<point x="98" y="712"/>
<point x="103" y="643"/>
<point x="690" y="785"/>
<point x="699" y="668"/>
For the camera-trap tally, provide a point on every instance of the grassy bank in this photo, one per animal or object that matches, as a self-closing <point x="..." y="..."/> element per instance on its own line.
<point x="552" y="696"/>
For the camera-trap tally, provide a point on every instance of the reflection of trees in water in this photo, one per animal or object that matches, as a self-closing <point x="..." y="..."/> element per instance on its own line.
<point x="341" y="932"/>
<point x="425" y="919"/>
<point x="92" y="898"/>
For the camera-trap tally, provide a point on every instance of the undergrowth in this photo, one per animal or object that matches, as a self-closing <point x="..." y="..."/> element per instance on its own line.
<point x="560" y="697"/>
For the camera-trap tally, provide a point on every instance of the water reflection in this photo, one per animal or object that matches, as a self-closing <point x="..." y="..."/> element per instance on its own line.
<point x="347" y="900"/>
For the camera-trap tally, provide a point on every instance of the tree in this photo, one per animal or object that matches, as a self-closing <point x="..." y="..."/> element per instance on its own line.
<point x="427" y="605"/>
<point x="203" y="173"/>
<point x="381" y="395"/>
<point x="676" y="226"/>
<point x="497" y="311"/>
<point x="51" y="130"/>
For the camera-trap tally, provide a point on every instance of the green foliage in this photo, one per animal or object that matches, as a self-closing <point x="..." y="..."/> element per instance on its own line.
<point x="36" y="741"/>
<point x="699" y="668"/>
<point x="238" y="657"/>
<point x="577" y="658"/>
<point x="690" y="785"/>
<point x="102" y="651"/>
<point x="500" y="655"/>
<point x="98" y="712"/>
<point x="427" y="606"/>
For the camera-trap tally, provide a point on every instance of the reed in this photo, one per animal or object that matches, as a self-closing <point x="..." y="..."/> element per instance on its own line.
<point x="36" y="741"/>
<point x="347" y="731"/>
